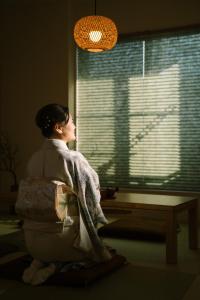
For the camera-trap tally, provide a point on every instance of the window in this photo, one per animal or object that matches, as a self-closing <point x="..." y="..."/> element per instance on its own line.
<point x="138" y="112"/>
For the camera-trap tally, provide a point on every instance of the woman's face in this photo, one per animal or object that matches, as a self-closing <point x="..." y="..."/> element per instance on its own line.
<point x="68" y="131"/>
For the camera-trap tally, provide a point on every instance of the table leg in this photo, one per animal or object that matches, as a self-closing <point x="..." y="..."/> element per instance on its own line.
<point x="193" y="226"/>
<point x="171" y="238"/>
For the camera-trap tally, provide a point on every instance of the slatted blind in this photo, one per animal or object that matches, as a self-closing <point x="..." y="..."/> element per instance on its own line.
<point x="138" y="113"/>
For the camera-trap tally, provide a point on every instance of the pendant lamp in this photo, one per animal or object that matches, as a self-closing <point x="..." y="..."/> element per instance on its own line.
<point x="95" y="33"/>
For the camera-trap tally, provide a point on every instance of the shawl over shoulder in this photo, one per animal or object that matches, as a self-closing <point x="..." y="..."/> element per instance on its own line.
<point x="87" y="188"/>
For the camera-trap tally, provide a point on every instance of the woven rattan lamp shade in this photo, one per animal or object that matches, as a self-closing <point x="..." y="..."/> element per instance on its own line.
<point x="95" y="33"/>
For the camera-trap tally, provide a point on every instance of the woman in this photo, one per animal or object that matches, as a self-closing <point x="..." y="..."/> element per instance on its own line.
<point x="74" y="239"/>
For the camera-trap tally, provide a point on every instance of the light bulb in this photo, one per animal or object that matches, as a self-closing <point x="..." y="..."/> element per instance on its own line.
<point x="95" y="36"/>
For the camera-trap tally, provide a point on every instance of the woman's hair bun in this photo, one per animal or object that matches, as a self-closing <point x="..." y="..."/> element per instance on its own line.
<point x="49" y="115"/>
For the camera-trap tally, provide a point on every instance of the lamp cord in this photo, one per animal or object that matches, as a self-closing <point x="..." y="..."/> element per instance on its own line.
<point x="95" y="7"/>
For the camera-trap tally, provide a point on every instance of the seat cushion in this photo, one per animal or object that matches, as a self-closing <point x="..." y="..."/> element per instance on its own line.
<point x="14" y="269"/>
<point x="136" y="228"/>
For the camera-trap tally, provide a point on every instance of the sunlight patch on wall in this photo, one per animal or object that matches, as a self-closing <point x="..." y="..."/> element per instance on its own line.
<point x="155" y="124"/>
<point x="96" y="123"/>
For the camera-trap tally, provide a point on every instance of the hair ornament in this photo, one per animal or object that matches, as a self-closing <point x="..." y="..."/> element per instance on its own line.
<point x="48" y="122"/>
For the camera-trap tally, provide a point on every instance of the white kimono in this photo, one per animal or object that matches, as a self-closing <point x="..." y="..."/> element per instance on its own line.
<point x="77" y="238"/>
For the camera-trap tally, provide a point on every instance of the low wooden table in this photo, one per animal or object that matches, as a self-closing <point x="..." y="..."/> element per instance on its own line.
<point x="168" y="208"/>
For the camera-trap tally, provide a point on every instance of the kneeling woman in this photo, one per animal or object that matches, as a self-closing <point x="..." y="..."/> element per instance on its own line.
<point x="74" y="237"/>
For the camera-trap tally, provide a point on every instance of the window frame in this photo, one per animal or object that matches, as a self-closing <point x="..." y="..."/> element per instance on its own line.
<point x="156" y="34"/>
